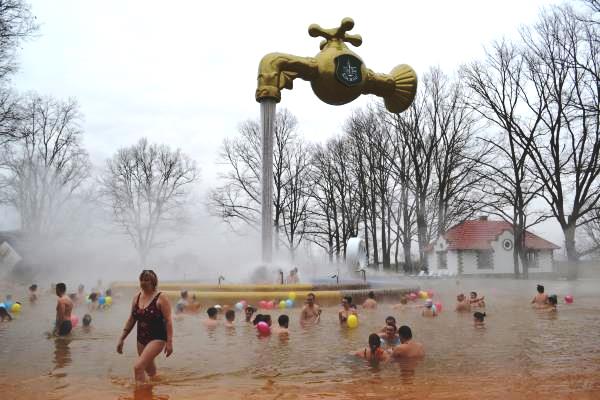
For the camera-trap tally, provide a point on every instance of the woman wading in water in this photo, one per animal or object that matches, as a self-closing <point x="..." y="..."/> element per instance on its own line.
<point x="152" y="312"/>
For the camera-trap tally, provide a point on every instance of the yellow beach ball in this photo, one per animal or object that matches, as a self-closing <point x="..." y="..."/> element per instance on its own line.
<point x="282" y="304"/>
<point x="108" y="300"/>
<point x="352" y="321"/>
<point x="292" y="296"/>
<point x="16" y="307"/>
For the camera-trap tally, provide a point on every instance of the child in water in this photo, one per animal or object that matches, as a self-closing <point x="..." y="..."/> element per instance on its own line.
<point x="33" y="293"/>
<point x="552" y="302"/>
<point x="283" y="321"/>
<point x="478" y="318"/>
<point x="541" y="299"/>
<point x="428" y="310"/>
<point x="230" y="318"/>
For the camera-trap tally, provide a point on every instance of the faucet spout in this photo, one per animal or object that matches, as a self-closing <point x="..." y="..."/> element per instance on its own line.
<point x="276" y="71"/>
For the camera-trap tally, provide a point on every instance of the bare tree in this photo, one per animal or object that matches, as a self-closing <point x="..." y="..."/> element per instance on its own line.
<point x="43" y="170"/>
<point x="563" y="61"/>
<point x="498" y="86"/>
<point x="147" y="186"/>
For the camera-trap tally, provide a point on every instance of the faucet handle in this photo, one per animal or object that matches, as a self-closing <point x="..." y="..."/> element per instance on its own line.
<point x="339" y="33"/>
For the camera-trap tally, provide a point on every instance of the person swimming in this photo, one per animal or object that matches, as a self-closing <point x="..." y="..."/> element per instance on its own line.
<point x="390" y="338"/>
<point x="345" y="311"/>
<point x="33" y="293"/>
<point x="87" y="320"/>
<point x="93" y="304"/>
<point x="476" y="301"/>
<point x="183" y="303"/>
<point x="370" y="303"/>
<point x="311" y="312"/>
<point x="541" y="299"/>
<point x="211" y="321"/>
<point x="248" y="312"/>
<point x="229" y="318"/>
<point x="478" y="318"/>
<point x="407" y="348"/>
<point x="64" y="306"/>
<point x="462" y="304"/>
<point x="4" y="315"/>
<point x="389" y="320"/>
<point x="552" y="304"/>
<point x="374" y="353"/>
<point x="283" y="321"/>
<point x="428" y="310"/>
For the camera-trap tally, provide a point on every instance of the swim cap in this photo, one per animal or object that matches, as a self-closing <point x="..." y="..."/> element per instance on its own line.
<point x="428" y="303"/>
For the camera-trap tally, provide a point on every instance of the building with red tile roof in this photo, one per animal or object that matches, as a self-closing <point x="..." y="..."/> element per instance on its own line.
<point x="486" y="247"/>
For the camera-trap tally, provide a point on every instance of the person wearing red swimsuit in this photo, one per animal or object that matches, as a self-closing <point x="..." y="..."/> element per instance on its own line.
<point x="152" y="312"/>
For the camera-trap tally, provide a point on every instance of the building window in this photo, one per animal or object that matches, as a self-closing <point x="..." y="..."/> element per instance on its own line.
<point x="442" y="260"/>
<point x="533" y="258"/>
<point x="485" y="259"/>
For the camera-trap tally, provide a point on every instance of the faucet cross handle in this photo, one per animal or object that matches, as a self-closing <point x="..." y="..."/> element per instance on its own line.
<point x="339" y="33"/>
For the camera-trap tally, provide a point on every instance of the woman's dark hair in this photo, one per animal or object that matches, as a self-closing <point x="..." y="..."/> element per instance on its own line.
<point x="405" y="332"/>
<point x="33" y="287"/>
<point x="184" y="294"/>
<point x="374" y="342"/>
<point x="267" y="319"/>
<point x="61" y="288"/>
<point x="479" y="316"/>
<point x="252" y="309"/>
<point x="540" y="289"/>
<point x="348" y="299"/>
<point x="371" y="295"/>
<point x="553" y="299"/>
<point x="93" y="297"/>
<point x="390" y="318"/>
<point x="148" y="273"/>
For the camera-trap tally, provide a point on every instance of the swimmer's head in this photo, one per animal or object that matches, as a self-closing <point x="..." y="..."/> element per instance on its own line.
<point x="61" y="288"/>
<point x="479" y="316"/>
<point x="212" y="312"/>
<point x="148" y="280"/>
<point x="87" y="320"/>
<point x="371" y="295"/>
<point x="283" y="321"/>
<point x="390" y="321"/>
<point x="33" y="287"/>
<point x="405" y="333"/>
<point x="258" y="318"/>
<point x="473" y="295"/>
<point x="553" y="300"/>
<point x="403" y="300"/>
<point x="267" y="319"/>
<point x="230" y="315"/>
<point x="540" y="289"/>
<point x="390" y="330"/>
<point x="374" y="341"/>
<point x="93" y="297"/>
<point x="428" y="303"/>
<point x="310" y="298"/>
<point x="249" y="310"/>
<point x="346" y="301"/>
<point x="108" y="292"/>
<point x="184" y="294"/>
<point x="460" y="297"/>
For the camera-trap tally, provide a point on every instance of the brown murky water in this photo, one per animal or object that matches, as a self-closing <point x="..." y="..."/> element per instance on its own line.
<point x="520" y="353"/>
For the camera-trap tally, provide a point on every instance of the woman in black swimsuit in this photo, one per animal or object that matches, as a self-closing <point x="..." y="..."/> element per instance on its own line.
<point x="152" y="312"/>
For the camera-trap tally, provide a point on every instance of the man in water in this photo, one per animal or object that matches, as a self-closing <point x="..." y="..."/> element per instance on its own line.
<point x="311" y="312"/>
<point x="541" y="299"/>
<point x="462" y="304"/>
<point x="230" y="318"/>
<point x="388" y="321"/>
<point x="389" y="338"/>
<point x="212" y="318"/>
<point x="370" y="302"/>
<point x="33" y="293"/>
<point x="407" y="348"/>
<point x="248" y="312"/>
<point x="476" y="301"/>
<point x="283" y="322"/>
<point x="64" y="306"/>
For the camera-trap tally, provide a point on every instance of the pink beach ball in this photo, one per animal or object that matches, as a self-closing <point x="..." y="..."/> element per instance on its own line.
<point x="263" y="328"/>
<point x="438" y="307"/>
<point x="568" y="299"/>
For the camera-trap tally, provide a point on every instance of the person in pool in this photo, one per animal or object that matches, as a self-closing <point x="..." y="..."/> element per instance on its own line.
<point x="373" y="353"/>
<point x="345" y="311"/>
<point x="283" y="321"/>
<point x="33" y="293"/>
<point x="4" y="315"/>
<point x="541" y="299"/>
<point x="182" y="304"/>
<point x="64" y="306"/>
<point x="370" y="303"/>
<point x="151" y="310"/>
<point x="390" y="338"/>
<point x="402" y="305"/>
<point x="87" y="320"/>
<point x="478" y="318"/>
<point x="311" y="312"/>
<point x="408" y="348"/>
<point x="229" y="318"/>
<point x="476" y="301"/>
<point x="248" y="312"/>
<point x="93" y="304"/>
<point x="389" y="320"/>
<point x="211" y="321"/>
<point x="552" y="302"/>
<point x="428" y="310"/>
<point x="462" y="304"/>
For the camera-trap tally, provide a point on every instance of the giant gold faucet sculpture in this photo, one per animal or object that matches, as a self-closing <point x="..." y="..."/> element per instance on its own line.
<point x="337" y="75"/>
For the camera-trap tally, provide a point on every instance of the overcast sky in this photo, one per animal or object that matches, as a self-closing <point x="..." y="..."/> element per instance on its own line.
<point x="184" y="72"/>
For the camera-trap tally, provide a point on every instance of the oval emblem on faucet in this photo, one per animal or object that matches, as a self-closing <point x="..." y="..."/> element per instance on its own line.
<point x="348" y="70"/>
